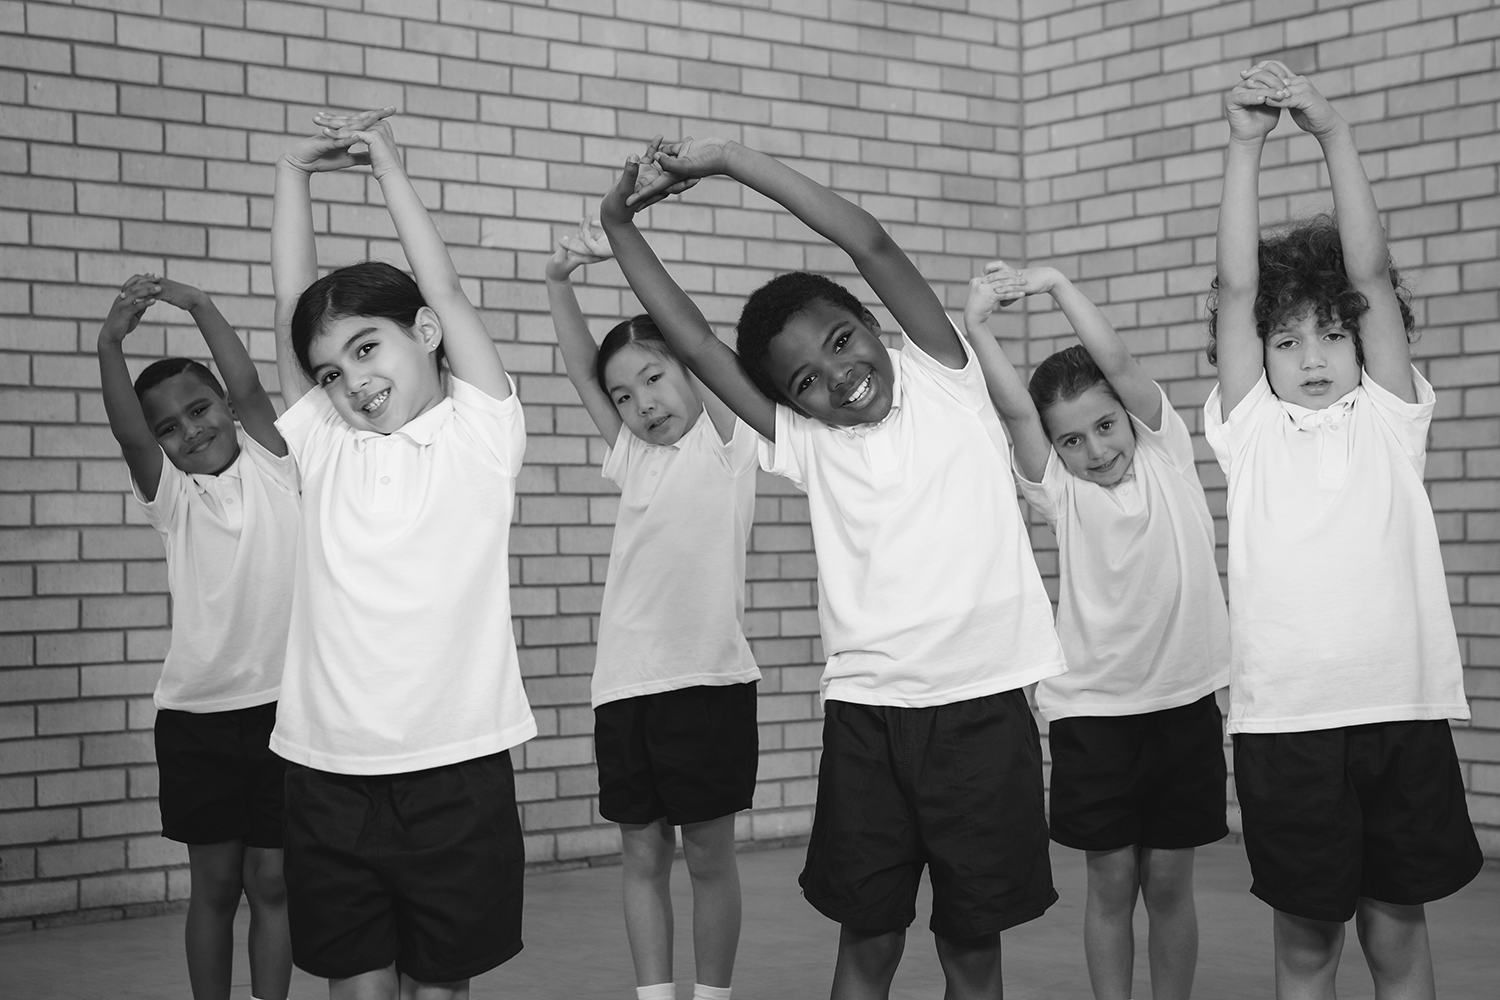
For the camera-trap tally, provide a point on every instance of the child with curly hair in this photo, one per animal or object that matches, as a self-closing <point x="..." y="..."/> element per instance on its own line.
<point x="1345" y="667"/>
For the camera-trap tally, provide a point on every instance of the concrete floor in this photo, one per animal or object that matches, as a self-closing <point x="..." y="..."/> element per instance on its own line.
<point x="576" y="944"/>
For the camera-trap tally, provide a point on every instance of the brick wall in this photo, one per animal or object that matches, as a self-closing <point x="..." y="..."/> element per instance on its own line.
<point x="1123" y="135"/>
<point x="140" y="135"/>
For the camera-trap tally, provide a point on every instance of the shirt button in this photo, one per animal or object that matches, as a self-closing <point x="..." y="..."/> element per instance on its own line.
<point x="385" y="479"/>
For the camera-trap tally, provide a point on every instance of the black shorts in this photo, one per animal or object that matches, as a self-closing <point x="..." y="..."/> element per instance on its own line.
<point x="956" y="787"/>
<point x="422" y="869"/>
<point x="1335" y="814"/>
<point x="1154" y="780"/>
<point x="689" y="755"/>
<point x="219" y="779"/>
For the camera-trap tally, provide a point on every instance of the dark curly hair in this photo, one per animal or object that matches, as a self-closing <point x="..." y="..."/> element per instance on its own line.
<point x="1302" y="268"/>
<point x="158" y="372"/>
<point x="369" y="288"/>
<point x="766" y="314"/>
<point x="1066" y="375"/>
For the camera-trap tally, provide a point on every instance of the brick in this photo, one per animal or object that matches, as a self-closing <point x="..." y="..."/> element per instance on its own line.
<point x="121" y="890"/>
<point x="33" y="755"/>
<point x="37" y="898"/>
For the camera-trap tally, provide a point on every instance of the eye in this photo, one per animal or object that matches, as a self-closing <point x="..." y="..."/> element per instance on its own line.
<point x="838" y="345"/>
<point x="653" y="378"/>
<point x="806" y="383"/>
<point x="1105" y="425"/>
<point x="328" y="378"/>
<point x="199" y="410"/>
<point x="1289" y="342"/>
<point x="1071" y="441"/>
<point x="162" y="432"/>
<point x="363" y="349"/>
<point x="622" y="398"/>
<point x="1335" y="335"/>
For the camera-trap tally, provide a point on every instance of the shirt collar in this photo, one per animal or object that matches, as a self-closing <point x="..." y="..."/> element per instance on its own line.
<point x="204" y="481"/>
<point x="1311" y="420"/>
<point x="858" y="430"/>
<point x="422" y="429"/>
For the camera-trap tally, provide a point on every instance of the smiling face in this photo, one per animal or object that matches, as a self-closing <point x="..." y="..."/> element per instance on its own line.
<point x="832" y="365"/>
<point x="378" y="375"/>
<point x="652" y="393"/>
<point x="1092" y="435"/>
<point x="193" y="424"/>
<point x="1311" y="364"/>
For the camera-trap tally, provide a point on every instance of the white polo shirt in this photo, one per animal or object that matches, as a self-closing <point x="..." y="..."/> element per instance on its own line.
<point x="401" y="655"/>
<point x="928" y="593"/>
<point x="675" y="597"/>
<point x="1338" y="606"/>
<point x="230" y="542"/>
<point x="1140" y="610"/>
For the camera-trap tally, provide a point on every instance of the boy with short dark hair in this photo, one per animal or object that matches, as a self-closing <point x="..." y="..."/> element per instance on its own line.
<point x="932" y="611"/>
<point x="226" y="506"/>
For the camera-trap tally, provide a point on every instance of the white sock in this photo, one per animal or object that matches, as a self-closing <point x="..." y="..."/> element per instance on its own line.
<point x="660" y="991"/>
<point x="701" y="992"/>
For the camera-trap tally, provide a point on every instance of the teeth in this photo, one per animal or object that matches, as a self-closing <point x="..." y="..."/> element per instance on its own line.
<point x="859" y="393"/>
<point x="374" y="403"/>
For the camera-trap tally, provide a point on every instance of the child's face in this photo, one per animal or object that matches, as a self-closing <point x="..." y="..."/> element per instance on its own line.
<point x="193" y="424"/>
<point x="1311" y="364"/>
<point x="832" y="365"/>
<point x="1092" y="435"/>
<point x="652" y="393"/>
<point x="377" y="375"/>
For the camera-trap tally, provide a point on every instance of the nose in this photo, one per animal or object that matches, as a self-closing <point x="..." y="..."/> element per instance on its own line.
<point x="1096" y="447"/>
<point x="1312" y="355"/>
<point x="840" y="380"/>
<point x="354" y="381"/>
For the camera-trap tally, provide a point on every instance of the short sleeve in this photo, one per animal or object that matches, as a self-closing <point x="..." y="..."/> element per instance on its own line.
<point x="1409" y="421"/>
<point x="1050" y="496"/>
<point x="617" y="458"/>
<point x="1228" y="436"/>
<point x="498" y="424"/>
<point x="1173" y="440"/>
<point x="169" y="490"/>
<point x="964" y="384"/>
<point x="282" y="469"/>
<point x="307" y="423"/>
<point x="785" y="455"/>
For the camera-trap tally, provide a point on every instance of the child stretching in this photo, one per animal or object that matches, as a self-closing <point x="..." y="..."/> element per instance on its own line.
<point x="674" y="680"/>
<point x="403" y="693"/>
<point x="226" y="506"/>
<point x="1138" y="775"/>
<point x="932" y="611"/>
<point x="1345" y="663"/>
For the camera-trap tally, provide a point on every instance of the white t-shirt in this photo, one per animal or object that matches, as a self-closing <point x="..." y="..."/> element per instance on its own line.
<point x="928" y="593"/>
<point x="230" y="542"/>
<point x="1338" y="606"/>
<point x="1140" y="611"/>
<point x="401" y="655"/>
<point x="675" y="597"/>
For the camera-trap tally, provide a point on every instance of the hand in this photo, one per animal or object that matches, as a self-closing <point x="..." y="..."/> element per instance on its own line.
<point x="331" y="122"/>
<point x="1250" y="108"/>
<point x="136" y="296"/>
<point x="321" y="152"/>
<point x="617" y="206"/>
<point x="184" y="297"/>
<point x="680" y="165"/>
<point x="379" y="140"/>
<point x="1310" y="110"/>
<point x="577" y="249"/>
<point x="1015" y="284"/>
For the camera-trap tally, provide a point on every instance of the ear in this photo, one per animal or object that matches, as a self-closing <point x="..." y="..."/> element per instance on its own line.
<point x="868" y="319"/>
<point x="428" y="329"/>
<point x="232" y="411"/>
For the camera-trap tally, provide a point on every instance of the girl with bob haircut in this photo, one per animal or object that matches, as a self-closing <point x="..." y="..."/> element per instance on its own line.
<point x="1138" y="772"/>
<point x="1345" y="668"/>
<point x="674" y="687"/>
<point x="402" y="692"/>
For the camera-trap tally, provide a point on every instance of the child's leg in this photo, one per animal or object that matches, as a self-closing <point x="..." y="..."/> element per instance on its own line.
<point x="209" y="933"/>
<point x="1167" y="887"/>
<point x="715" y="873"/>
<point x="1114" y="878"/>
<point x="270" y="941"/>
<point x="1394" y="939"/>
<point x="866" y="964"/>
<point x="971" y="968"/>
<point x="648" y="852"/>
<point x="387" y="984"/>
<point x="1307" y="956"/>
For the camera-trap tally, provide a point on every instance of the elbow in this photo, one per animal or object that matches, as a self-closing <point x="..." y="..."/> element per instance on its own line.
<point x="870" y="241"/>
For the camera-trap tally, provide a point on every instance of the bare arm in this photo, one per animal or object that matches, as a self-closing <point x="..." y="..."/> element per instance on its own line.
<point x="126" y="419"/>
<point x="883" y="264"/>
<point x="680" y="321"/>
<point x="251" y="403"/>
<point x="1382" y="333"/>
<point x="1007" y="391"/>
<point x="576" y="342"/>
<point x="471" y="352"/>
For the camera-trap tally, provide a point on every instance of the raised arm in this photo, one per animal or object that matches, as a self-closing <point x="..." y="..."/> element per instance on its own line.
<point x="1007" y="391"/>
<point x="127" y="421"/>
<point x="883" y="264"/>
<point x="471" y="353"/>
<point x="573" y="336"/>
<point x="1241" y="354"/>
<point x="241" y="380"/>
<point x="1367" y="257"/>
<point x="680" y="321"/>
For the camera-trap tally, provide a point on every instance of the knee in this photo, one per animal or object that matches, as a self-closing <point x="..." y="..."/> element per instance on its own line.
<point x="217" y="890"/>
<point x="710" y="864"/>
<point x="1307" y="946"/>
<point x="1167" y="895"/>
<point x="875" y="955"/>
<point x="977" y="955"/>
<point x="1112" y="882"/>
<point x="648" y="852"/>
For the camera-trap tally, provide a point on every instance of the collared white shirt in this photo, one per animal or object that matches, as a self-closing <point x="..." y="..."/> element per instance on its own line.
<point x="675" y="598"/>
<point x="928" y="593"/>
<point x="1140" y="610"/>
<point x="1338" y="604"/>
<point x="400" y="655"/>
<point x="230" y="541"/>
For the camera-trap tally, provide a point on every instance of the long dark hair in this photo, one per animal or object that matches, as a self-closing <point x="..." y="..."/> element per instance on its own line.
<point x="369" y="288"/>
